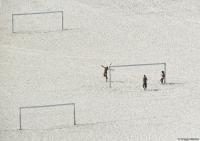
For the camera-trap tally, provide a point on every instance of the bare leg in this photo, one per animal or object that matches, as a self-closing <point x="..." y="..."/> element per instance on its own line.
<point x="161" y="80"/>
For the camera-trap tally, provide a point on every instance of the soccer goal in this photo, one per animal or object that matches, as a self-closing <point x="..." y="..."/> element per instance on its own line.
<point x="126" y="69"/>
<point x="37" y="22"/>
<point x="49" y="113"/>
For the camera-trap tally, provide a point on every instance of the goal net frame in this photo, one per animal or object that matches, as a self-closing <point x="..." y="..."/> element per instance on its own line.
<point x="46" y="106"/>
<point x="136" y="65"/>
<point x="37" y="13"/>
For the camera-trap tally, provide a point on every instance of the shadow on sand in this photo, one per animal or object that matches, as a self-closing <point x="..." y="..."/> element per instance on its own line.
<point x="117" y="81"/>
<point x="155" y="90"/>
<point x="42" y="32"/>
<point x="172" y="83"/>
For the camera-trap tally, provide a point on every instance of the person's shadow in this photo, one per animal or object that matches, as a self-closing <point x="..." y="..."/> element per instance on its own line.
<point x="117" y="81"/>
<point x="172" y="83"/>
<point x="155" y="90"/>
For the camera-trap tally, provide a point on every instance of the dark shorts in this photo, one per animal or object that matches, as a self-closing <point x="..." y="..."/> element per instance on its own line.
<point x="144" y="85"/>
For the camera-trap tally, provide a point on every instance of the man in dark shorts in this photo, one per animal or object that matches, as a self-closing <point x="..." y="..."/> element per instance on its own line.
<point x="162" y="80"/>
<point x="105" y="74"/>
<point x="145" y="82"/>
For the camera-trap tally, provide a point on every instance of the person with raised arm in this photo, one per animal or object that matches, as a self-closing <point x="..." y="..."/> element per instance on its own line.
<point x="105" y="73"/>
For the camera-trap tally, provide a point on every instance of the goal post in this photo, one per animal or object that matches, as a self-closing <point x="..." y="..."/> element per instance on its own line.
<point x="14" y="15"/>
<point x="46" y="106"/>
<point x="136" y="65"/>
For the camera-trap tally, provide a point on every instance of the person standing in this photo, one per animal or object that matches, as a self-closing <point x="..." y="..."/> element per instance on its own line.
<point x="162" y="80"/>
<point x="145" y="82"/>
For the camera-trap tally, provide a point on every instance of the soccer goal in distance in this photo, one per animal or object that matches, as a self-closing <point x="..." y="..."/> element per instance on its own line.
<point x="128" y="71"/>
<point x="53" y="115"/>
<point x="37" y="22"/>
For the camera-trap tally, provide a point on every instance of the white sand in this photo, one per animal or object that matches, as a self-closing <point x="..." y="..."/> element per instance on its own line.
<point x="42" y="68"/>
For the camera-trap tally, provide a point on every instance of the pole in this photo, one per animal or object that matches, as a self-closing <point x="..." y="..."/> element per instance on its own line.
<point x="165" y="67"/>
<point x="12" y="23"/>
<point x="138" y="65"/>
<point x="110" y="77"/>
<point x="20" y="119"/>
<point x="62" y="21"/>
<point x="74" y="115"/>
<point x="35" y="13"/>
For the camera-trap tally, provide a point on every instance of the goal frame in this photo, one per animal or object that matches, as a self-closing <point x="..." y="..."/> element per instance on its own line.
<point x="164" y="64"/>
<point x="36" y="13"/>
<point x="45" y="106"/>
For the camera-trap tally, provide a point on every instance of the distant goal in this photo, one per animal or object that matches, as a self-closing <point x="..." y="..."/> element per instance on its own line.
<point x="37" y="22"/>
<point x="46" y="116"/>
<point x="129" y="72"/>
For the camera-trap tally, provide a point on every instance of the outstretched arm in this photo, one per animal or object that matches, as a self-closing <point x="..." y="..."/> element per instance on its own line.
<point x="102" y="66"/>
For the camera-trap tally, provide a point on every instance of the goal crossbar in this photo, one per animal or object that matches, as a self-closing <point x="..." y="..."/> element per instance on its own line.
<point x="36" y="13"/>
<point x="46" y="106"/>
<point x="136" y="65"/>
